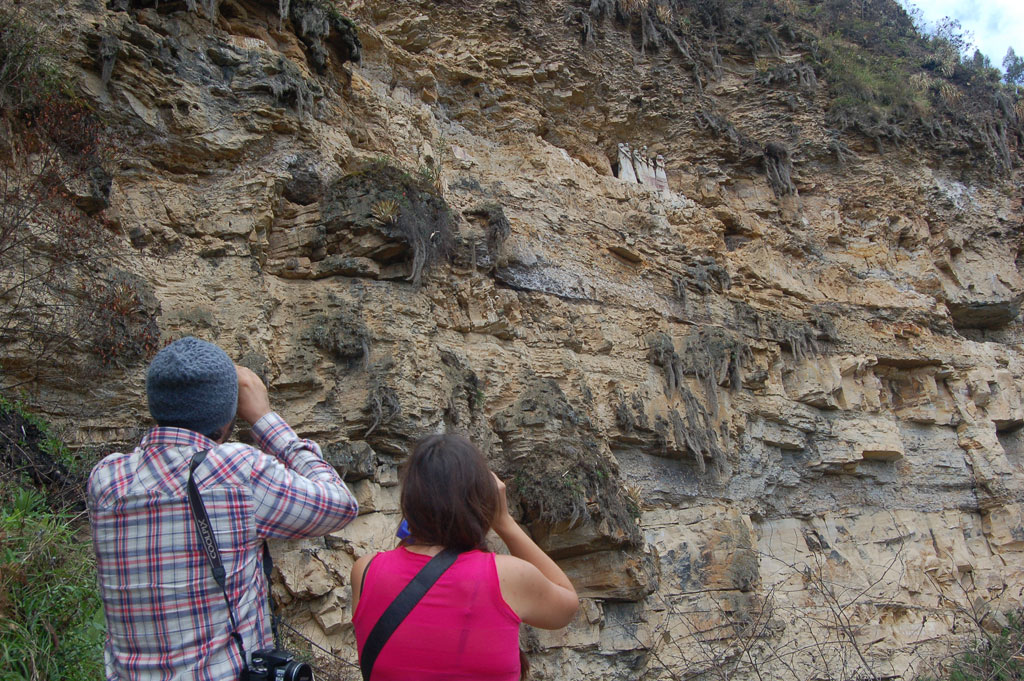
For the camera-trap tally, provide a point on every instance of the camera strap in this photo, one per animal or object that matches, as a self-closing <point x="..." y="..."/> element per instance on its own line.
<point x="209" y="543"/>
<point x="403" y="604"/>
<point x="268" y="569"/>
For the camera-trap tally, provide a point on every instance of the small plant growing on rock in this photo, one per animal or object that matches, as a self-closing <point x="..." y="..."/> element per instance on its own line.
<point x="343" y="336"/>
<point x="778" y="166"/>
<point x="950" y="93"/>
<point x="397" y="205"/>
<point x="498" y="227"/>
<point x="631" y="7"/>
<point x="431" y="176"/>
<point x="634" y="495"/>
<point x="385" y="211"/>
<point x="382" y="404"/>
<point x="124" y="318"/>
<point x="716" y="358"/>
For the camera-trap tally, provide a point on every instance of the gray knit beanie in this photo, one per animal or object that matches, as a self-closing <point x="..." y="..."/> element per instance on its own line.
<point x="192" y="384"/>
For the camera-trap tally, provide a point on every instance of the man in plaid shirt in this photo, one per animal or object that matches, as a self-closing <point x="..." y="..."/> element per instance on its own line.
<point x="166" y="616"/>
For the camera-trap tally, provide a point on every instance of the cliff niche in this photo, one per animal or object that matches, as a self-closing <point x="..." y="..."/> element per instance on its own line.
<point x="728" y="292"/>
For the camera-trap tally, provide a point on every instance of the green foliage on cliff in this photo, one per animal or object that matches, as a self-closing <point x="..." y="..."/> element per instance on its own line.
<point x="885" y="78"/>
<point x="409" y="207"/>
<point x="1014" y="67"/>
<point x="28" y="66"/>
<point x="992" y="656"/>
<point x="888" y="80"/>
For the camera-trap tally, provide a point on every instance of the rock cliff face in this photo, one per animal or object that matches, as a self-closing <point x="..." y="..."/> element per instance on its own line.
<point x="769" y="422"/>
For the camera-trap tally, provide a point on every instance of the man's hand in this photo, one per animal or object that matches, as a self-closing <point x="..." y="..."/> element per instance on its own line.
<point x="253" y="403"/>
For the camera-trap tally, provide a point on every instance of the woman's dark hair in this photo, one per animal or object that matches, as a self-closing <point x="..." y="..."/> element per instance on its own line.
<point x="449" y="496"/>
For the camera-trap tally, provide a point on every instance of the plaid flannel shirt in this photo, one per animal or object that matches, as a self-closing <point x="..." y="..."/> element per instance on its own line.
<point x="166" y="616"/>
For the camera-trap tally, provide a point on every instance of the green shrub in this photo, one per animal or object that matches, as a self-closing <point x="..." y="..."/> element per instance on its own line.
<point x="28" y="71"/>
<point x="51" y="616"/>
<point x="867" y="86"/>
<point x="991" y="657"/>
<point x="30" y="454"/>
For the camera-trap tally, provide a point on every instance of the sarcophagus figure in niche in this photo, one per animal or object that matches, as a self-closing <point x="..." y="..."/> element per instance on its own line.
<point x="626" y="171"/>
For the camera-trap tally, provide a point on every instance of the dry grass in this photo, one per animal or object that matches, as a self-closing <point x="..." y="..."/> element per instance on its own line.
<point x="633" y="7"/>
<point x="950" y="93"/>
<point x="634" y="496"/>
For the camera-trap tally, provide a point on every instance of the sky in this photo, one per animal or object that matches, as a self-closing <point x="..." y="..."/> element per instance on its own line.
<point x="995" y="24"/>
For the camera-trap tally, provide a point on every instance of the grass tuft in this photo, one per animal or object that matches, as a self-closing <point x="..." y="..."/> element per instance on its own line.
<point x="992" y="656"/>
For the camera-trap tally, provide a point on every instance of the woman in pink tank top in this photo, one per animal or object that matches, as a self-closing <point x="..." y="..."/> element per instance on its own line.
<point x="467" y="624"/>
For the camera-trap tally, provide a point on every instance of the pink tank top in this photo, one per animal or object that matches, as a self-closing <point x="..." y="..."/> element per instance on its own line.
<point x="462" y="629"/>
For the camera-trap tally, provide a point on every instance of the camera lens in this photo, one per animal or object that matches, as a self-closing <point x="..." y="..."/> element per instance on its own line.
<point x="297" y="671"/>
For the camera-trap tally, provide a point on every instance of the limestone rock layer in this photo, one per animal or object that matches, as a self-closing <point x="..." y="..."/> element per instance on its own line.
<point x="768" y="420"/>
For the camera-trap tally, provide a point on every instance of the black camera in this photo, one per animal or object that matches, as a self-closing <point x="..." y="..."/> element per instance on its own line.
<point x="272" y="664"/>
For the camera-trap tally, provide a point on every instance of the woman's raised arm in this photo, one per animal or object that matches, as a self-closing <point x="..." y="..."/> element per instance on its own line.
<point x="531" y="583"/>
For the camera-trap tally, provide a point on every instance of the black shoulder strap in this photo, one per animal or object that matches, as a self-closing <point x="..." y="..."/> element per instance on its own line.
<point x="362" y="580"/>
<point x="209" y="542"/>
<point x="400" y="607"/>
<point x="268" y="570"/>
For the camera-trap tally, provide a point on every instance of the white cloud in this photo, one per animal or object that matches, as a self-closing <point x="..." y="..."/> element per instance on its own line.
<point x="994" y="24"/>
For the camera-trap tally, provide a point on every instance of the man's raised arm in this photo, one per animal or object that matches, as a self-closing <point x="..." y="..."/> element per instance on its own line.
<point x="295" y="492"/>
